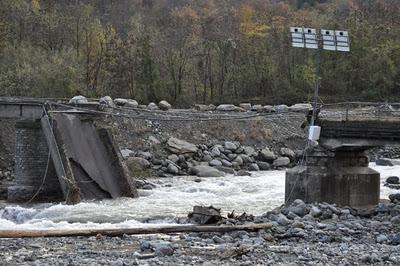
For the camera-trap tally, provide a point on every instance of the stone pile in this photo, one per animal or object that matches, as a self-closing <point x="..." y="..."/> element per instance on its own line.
<point x="184" y="158"/>
<point x="122" y="102"/>
<point x="248" y="107"/>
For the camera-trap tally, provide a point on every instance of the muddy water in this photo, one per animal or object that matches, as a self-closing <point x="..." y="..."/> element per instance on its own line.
<point x="173" y="197"/>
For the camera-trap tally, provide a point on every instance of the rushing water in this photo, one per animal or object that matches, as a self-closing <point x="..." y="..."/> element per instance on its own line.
<point x="173" y="197"/>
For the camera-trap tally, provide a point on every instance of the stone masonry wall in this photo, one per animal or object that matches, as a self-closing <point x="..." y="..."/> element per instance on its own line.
<point x="31" y="155"/>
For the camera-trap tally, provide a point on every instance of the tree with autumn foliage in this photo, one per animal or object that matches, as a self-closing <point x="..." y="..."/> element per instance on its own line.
<point x="204" y="51"/>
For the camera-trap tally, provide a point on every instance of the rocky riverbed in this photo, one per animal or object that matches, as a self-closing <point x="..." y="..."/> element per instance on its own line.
<point x="320" y="234"/>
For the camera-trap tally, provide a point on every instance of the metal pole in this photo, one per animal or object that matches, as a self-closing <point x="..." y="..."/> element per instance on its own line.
<point x="316" y="90"/>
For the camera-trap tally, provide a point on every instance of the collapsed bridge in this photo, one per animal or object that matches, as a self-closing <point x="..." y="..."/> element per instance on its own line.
<point x="64" y="156"/>
<point x="336" y="171"/>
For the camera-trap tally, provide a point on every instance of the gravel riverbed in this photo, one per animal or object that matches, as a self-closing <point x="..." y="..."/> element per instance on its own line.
<point x="302" y="234"/>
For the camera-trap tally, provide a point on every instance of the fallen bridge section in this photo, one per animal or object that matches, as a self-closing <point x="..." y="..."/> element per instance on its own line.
<point x="83" y="163"/>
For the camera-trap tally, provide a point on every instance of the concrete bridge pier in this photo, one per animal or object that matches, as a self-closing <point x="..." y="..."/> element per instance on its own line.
<point x="31" y="157"/>
<point x="342" y="177"/>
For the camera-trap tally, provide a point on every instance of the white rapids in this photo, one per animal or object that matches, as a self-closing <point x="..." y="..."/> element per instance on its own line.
<point x="173" y="197"/>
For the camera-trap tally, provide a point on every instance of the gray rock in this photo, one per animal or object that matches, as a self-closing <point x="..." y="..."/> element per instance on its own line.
<point x="245" y="106"/>
<point x="393" y="180"/>
<point x="126" y="153"/>
<point x="206" y="171"/>
<point x="288" y="153"/>
<point x="281" y="162"/>
<point x="145" y="154"/>
<point x="269" y="109"/>
<point x="78" y="100"/>
<point x="215" y="152"/>
<point x="173" y="158"/>
<point x="257" y="108"/>
<point x="254" y="167"/>
<point x="120" y="101"/>
<point x="238" y="160"/>
<point x="243" y="173"/>
<point x="249" y="150"/>
<point x="230" y="146"/>
<point x="107" y="100"/>
<point x="300" y="107"/>
<point x="163" y="248"/>
<point x="282" y="220"/>
<point x="225" y="169"/>
<point x="164" y="105"/>
<point x="215" y="162"/>
<point x="226" y="163"/>
<point x="315" y="212"/>
<point x="132" y="103"/>
<point x="207" y="158"/>
<point x="154" y="140"/>
<point x="283" y="108"/>
<point x="239" y="150"/>
<point x="226" y="107"/>
<point x="394" y="197"/>
<point x="267" y="155"/>
<point x="143" y="163"/>
<point x="218" y="240"/>
<point x="172" y="169"/>
<point x="232" y="156"/>
<point x="204" y="108"/>
<point x="180" y="146"/>
<point x="395" y="220"/>
<point x="152" y="106"/>
<point x="264" y="166"/>
<point x="381" y="238"/>
<point x="246" y="159"/>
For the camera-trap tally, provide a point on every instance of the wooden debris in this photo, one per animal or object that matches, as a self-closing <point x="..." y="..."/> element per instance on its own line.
<point x="131" y="231"/>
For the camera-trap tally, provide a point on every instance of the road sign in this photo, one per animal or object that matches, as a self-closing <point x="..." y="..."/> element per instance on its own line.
<point x="331" y="40"/>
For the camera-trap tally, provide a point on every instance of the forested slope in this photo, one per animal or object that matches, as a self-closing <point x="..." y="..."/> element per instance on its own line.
<point x="184" y="51"/>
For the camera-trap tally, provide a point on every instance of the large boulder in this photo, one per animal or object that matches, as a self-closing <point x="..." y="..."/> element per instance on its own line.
<point x="281" y="162"/>
<point x="152" y="106"/>
<point x="78" y="100"/>
<point x="269" y="109"/>
<point x="107" y="100"/>
<point x="288" y="153"/>
<point x="393" y="180"/>
<point x="206" y="171"/>
<point x="257" y="108"/>
<point x="283" y="108"/>
<point x="267" y="155"/>
<point x="230" y="146"/>
<point x="226" y="107"/>
<point x="179" y="146"/>
<point x="204" y="108"/>
<point x="164" y="105"/>
<point x="300" y="107"/>
<point x="132" y="103"/>
<point x="245" y="106"/>
<point x="120" y="101"/>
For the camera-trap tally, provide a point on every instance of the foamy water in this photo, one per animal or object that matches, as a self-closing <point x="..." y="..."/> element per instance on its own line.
<point x="173" y="197"/>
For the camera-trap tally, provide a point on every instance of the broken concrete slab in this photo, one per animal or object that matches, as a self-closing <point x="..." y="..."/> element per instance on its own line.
<point x="94" y="163"/>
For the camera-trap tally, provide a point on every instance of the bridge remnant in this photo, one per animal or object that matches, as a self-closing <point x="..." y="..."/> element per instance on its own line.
<point x="341" y="177"/>
<point x="68" y="159"/>
<point x="337" y="170"/>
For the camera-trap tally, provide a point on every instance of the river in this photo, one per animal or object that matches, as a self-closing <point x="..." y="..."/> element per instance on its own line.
<point x="173" y="197"/>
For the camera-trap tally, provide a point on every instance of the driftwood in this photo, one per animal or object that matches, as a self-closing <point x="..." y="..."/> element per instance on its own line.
<point x="131" y="231"/>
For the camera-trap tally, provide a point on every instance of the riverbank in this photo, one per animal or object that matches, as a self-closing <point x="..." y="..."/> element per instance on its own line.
<point x="301" y="234"/>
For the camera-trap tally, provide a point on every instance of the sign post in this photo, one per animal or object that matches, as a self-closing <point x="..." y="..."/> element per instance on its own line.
<point x="330" y="40"/>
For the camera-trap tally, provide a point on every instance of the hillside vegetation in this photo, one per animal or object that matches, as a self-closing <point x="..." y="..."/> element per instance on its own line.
<point x="204" y="51"/>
